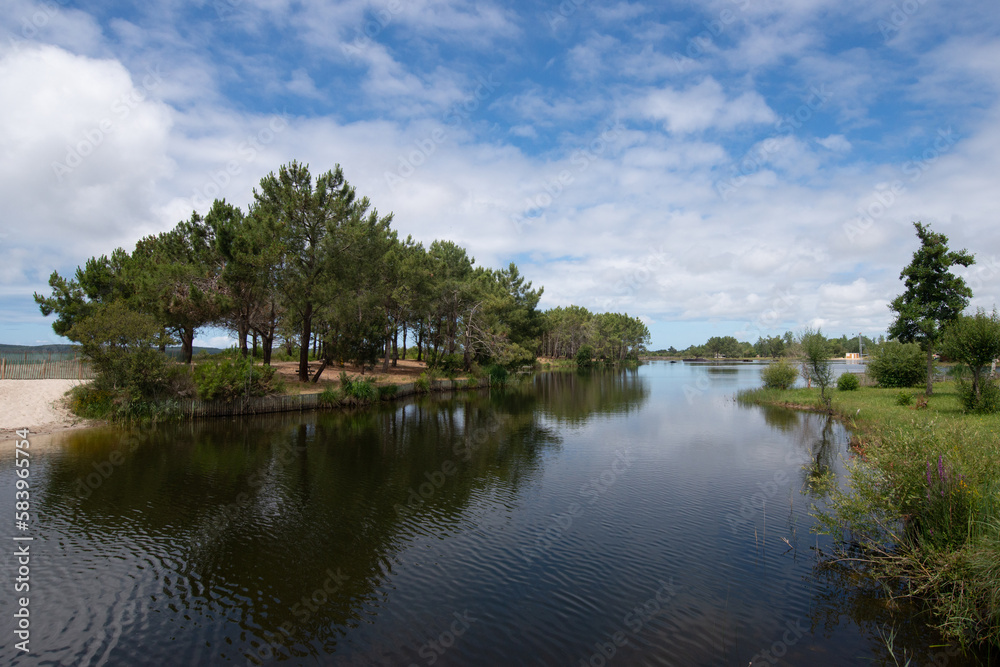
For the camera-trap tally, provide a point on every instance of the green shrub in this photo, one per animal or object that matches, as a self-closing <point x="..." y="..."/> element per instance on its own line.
<point x="895" y="364"/>
<point x="423" y="383"/>
<point x="364" y="391"/>
<point x="227" y="379"/>
<point x="585" y="355"/>
<point x="904" y="398"/>
<point x="498" y="375"/>
<point x="988" y="400"/>
<point x="450" y="364"/>
<point x="345" y="383"/>
<point x="472" y="382"/>
<point x="848" y="382"/>
<point x="91" y="402"/>
<point x="329" y="397"/>
<point x="779" y="375"/>
<point x="387" y="391"/>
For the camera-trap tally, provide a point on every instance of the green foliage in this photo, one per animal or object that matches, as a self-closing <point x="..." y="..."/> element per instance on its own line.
<point x="779" y="375"/>
<point x="817" y="359"/>
<point x="91" y="402"/>
<point x="387" y="391"/>
<point x="585" y="355"/>
<point x="120" y="343"/>
<point x="904" y="398"/>
<point x="498" y="375"/>
<point x="921" y="506"/>
<point x="975" y="341"/>
<point x="227" y="379"/>
<point x="934" y="296"/>
<point x="848" y="382"/>
<point x="450" y="364"/>
<point x="981" y="399"/>
<point x="364" y="391"/>
<point x="329" y="397"/>
<point x="895" y="364"/>
<point x="423" y="383"/>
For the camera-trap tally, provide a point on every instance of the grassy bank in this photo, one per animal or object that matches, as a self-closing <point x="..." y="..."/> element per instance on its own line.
<point x="921" y="510"/>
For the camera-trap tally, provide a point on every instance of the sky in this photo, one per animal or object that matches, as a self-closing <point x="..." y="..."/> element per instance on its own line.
<point x="720" y="167"/>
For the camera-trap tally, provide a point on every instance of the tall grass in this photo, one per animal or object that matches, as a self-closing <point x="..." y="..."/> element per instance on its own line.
<point x="921" y="505"/>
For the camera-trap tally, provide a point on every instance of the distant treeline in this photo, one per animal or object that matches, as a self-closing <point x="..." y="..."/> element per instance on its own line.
<point x="312" y="266"/>
<point x="772" y="346"/>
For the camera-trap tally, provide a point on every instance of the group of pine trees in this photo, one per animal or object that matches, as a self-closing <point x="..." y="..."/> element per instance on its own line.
<point x="312" y="265"/>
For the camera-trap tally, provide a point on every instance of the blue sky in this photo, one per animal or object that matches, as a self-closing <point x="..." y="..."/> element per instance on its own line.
<point x="732" y="167"/>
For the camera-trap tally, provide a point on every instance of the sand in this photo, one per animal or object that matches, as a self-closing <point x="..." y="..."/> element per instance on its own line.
<point x="38" y="405"/>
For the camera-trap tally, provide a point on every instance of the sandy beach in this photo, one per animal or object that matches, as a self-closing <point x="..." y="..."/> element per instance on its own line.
<point x="38" y="405"/>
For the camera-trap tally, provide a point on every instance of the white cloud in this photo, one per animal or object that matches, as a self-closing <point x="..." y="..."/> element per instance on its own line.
<point x="705" y="106"/>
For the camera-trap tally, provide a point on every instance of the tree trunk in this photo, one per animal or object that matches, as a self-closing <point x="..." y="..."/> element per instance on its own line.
<point x="304" y="344"/>
<point x="420" y="341"/>
<point x="319" y="371"/>
<point x="385" y="357"/>
<point x="930" y="370"/>
<point x="241" y="334"/>
<point x="187" y="343"/>
<point x="254" y="344"/>
<point x="395" y="348"/>
<point x="404" y="340"/>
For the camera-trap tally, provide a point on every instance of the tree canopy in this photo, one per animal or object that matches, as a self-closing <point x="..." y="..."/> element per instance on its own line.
<point x="933" y="297"/>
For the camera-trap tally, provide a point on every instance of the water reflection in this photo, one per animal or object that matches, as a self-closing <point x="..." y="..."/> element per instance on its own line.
<point x="357" y="537"/>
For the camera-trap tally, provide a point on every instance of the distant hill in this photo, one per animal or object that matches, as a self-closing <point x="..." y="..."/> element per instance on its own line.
<point x="35" y="349"/>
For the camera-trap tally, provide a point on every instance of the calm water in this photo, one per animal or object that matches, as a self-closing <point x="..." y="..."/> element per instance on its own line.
<point x="633" y="518"/>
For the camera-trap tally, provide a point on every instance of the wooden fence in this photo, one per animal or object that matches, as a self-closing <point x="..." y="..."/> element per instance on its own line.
<point x="61" y="369"/>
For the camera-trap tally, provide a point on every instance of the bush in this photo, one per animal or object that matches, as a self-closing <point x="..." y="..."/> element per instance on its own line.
<point x="585" y="355"/>
<point x="779" y="375"/>
<point x="498" y="375"/>
<point x="450" y="364"/>
<point x="895" y="364"/>
<point x="329" y="397"/>
<point x="988" y="400"/>
<point x="422" y="383"/>
<point x="848" y="382"/>
<point x="364" y="391"/>
<point x="904" y="398"/>
<point x="387" y="391"/>
<point x="227" y="379"/>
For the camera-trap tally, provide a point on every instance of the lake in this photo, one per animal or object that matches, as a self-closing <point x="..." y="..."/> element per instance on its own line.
<point x="632" y="517"/>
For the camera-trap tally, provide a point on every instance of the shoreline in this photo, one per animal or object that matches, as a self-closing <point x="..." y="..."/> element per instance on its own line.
<point x="39" y="406"/>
